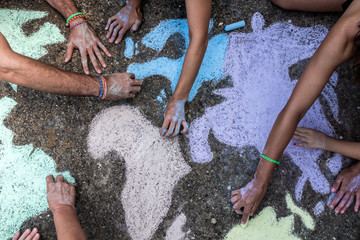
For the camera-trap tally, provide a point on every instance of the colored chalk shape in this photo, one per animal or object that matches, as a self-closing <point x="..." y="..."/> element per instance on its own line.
<point x="23" y="170"/>
<point x="234" y="26"/>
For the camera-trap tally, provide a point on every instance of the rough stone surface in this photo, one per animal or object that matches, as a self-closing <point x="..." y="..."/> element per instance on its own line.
<point x="59" y="126"/>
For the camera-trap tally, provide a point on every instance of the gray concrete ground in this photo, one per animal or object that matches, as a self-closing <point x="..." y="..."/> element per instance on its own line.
<point x="59" y="126"/>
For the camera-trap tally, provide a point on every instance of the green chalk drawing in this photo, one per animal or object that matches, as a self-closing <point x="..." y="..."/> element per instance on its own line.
<point x="22" y="178"/>
<point x="33" y="45"/>
<point x="266" y="226"/>
<point x="305" y="216"/>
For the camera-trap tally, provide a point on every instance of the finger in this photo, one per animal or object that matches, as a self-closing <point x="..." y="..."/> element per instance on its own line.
<point x="100" y="57"/>
<point x="106" y="51"/>
<point x="239" y="211"/>
<point x="348" y="203"/>
<point x="135" y="26"/>
<point x="236" y="192"/>
<point x="32" y="234"/>
<point x="84" y="61"/>
<point x="164" y="127"/>
<point x="177" y="129"/>
<point x="72" y="189"/>
<point x="253" y="209"/>
<point x="337" y="183"/>
<point x="65" y="181"/>
<point x="130" y="95"/>
<point x="342" y="203"/>
<point x="94" y="61"/>
<point x="110" y="20"/>
<point x="37" y="237"/>
<point x="59" y="178"/>
<point x="299" y="133"/>
<point x="135" y="88"/>
<point x="336" y="199"/>
<point x="302" y="129"/>
<point x="111" y="30"/>
<point x="235" y="198"/>
<point x="121" y="34"/>
<point x="131" y="75"/>
<point x="49" y="179"/>
<point x="185" y="127"/>
<point x="115" y="32"/>
<point x="357" y="203"/>
<point x="25" y="234"/>
<point x="245" y="216"/>
<point x="171" y="129"/>
<point x="16" y="236"/>
<point x="137" y="82"/>
<point x="300" y="138"/>
<point x="69" y="51"/>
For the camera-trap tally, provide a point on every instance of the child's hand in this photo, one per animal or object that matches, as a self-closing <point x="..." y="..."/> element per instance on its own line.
<point x="60" y="193"/>
<point x="310" y="138"/>
<point x="27" y="235"/>
<point x="174" y="118"/>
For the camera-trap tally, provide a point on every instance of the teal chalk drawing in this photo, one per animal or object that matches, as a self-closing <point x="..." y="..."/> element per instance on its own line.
<point x="32" y="46"/>
<point x="211" y="68"/>
<point x="23" y="170"/>
<point x="136" y="48"/>
<point x="129" y="48"/>
<point x="234" y="26"/>
<point x="162" y="96"/>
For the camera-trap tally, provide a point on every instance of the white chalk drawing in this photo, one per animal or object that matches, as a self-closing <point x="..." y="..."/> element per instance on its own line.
<point x="153" y="165"/>
<point x="23" y="170"/>
<point x="271" y="228"/>
<point x="175" y="231"/>
<point x="32" y="46"/>
<point x="258" y="64"/>
<point x="211" y="68"/>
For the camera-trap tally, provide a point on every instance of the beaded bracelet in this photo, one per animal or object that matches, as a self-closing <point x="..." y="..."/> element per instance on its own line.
<point x="269" y="159"/>
<point x="77" y="24"/>
<point x="68" y="19"/>
<point x="76" y="17"/>
<point x="105" y="88"/>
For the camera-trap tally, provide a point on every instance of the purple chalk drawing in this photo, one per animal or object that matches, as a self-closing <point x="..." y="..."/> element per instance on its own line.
<point x="258" y="64"/>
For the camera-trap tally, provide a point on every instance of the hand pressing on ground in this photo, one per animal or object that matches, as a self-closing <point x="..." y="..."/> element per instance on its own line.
<point x="27" y="235"/>
<point x="60" y="194"/>
<point x="122" y="85"/>
<point x="129" y="17"/>
<point x="311" y="138"/>
<point x="84" y="38"/>
<point x="174" y="118"/>
<point x="246" y="200"/>
<point x="347" y="186"/>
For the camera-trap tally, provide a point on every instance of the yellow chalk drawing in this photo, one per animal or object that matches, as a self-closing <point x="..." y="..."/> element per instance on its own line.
<point x="266" y="226"/>
<point x="305" y="216"/>
<point x="32" y="45"/>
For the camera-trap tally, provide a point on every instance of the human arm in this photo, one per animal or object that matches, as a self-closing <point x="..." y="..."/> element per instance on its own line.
<point x="129" y="17"/>
<point x="82" y="37"/>
<point x="61" y="199"/>
<point x="30" y="73"/>
<point x="317" y="140"/>
<point x="336" y="48"/>
<point x="198" y="15"/>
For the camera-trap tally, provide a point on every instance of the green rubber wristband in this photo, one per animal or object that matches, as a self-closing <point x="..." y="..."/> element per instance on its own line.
<point x="269" y="159"/>
<point x="67" y="20"/>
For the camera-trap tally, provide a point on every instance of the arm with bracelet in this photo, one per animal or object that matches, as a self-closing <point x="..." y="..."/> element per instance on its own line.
<point x="337" y="47"/>
<point x="82" y="36"/>
<point x="30" y="73"/>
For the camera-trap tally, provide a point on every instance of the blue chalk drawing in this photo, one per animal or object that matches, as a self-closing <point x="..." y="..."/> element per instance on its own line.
<point x="22" y="178"/>
<point x="211" y="69"/>
<point x="136" y="48"/>
<point x="129" y="48"/>
<point x="32" y="46"/>
<point x="162" y="96"/>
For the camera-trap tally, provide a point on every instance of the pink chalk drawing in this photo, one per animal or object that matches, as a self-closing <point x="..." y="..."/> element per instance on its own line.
<point x="258" y="64"/>
<point x="153" y="165"/>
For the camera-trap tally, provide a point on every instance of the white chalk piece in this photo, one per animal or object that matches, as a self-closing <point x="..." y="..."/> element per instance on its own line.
<point x="234" y="26"/>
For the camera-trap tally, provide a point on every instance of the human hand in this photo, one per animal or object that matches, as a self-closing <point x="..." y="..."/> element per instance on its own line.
<point x="246" y="200"/>
<point x="347" y="185"/>
<point x="85" y="39"/>
<point x="310" y="138"/>
<point x="27" y="235"/>
<point x="122" y="85"/>
<point x="128" y="17"/>
<point x="59" y="193"/>
<point x="174" y="118"/>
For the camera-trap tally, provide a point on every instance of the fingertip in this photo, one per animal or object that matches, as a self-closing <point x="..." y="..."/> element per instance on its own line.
<point x="162" y="132"/>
